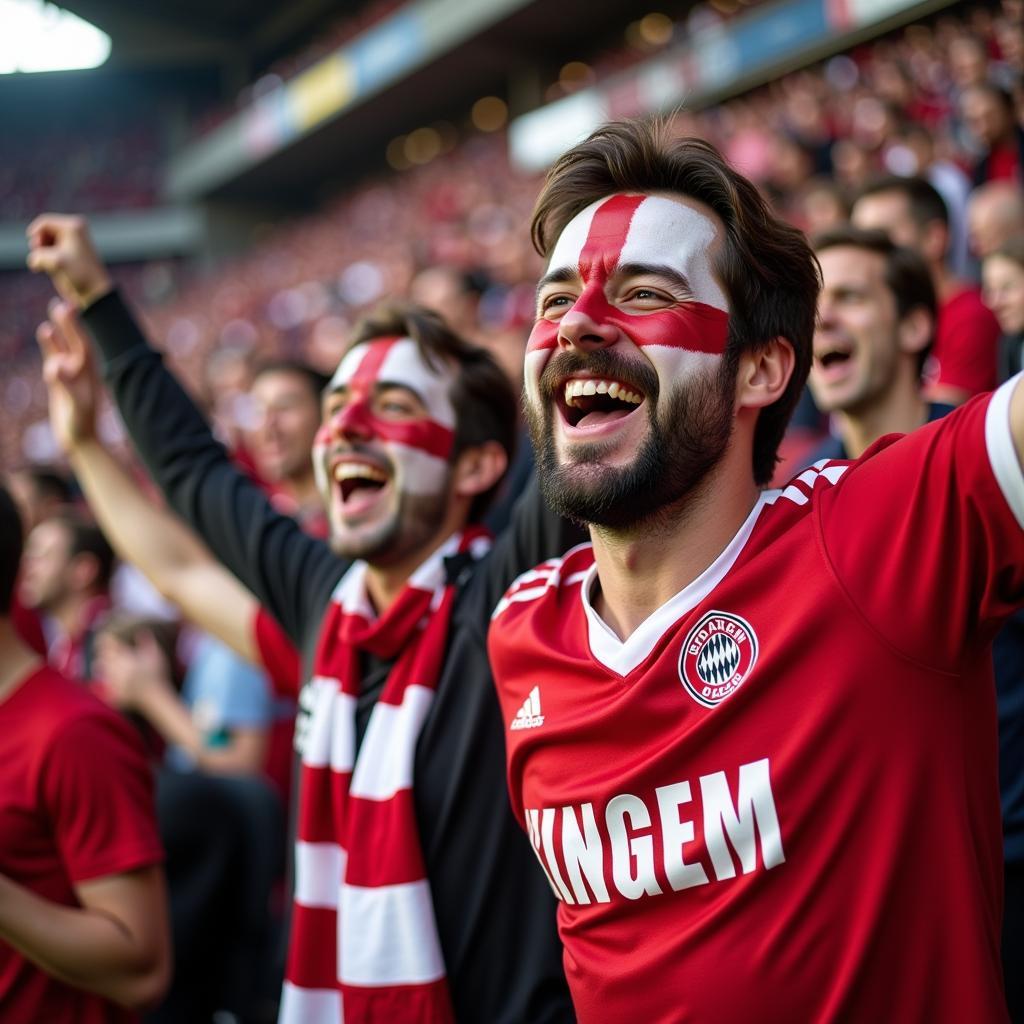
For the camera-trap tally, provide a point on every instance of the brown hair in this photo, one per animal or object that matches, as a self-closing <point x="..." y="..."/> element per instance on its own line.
<point x="11" y="544"/>
<point x="765" y="266"/>
<point x="906" y="274"/>
<point x="485" y="404"/>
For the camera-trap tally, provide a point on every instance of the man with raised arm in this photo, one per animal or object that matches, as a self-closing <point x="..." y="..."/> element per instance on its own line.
<point x="416" y="898"/>
<point x="83" y="913"/>
<point x="751" y="733"/>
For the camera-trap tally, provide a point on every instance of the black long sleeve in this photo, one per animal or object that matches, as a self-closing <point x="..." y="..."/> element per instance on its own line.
<point x="289" y="572"/>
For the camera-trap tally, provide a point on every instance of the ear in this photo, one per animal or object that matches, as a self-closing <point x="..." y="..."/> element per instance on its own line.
<point x="764" y="373"/>
<point x="479" y="468"/>
<point x="915" y="330"/>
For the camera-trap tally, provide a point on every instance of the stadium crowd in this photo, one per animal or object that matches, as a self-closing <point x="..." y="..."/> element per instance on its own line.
<point x="904" y="156"/>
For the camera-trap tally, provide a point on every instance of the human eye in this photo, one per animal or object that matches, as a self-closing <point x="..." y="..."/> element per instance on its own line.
<point x="554" y="304"/>
<point x="395" y="403"/>
<point x="647" y="296"/>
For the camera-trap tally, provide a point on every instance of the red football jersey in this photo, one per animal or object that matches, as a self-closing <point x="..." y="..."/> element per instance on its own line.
<point x="777" y="800"/>
<point x="76" y="804"/>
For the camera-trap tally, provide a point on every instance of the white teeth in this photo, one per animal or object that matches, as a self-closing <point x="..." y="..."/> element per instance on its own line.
<point x="358" y="470"/>
<point x="578" y="388"/>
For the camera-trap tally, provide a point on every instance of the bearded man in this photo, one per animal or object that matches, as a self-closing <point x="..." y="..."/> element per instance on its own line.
<point x="751" y="733"/>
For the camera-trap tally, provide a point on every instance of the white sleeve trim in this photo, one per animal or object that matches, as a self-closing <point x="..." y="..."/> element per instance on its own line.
<point x="1002" y="452"/>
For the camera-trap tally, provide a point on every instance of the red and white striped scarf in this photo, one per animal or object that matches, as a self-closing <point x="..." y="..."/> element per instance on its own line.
<point x="364" y="946"/>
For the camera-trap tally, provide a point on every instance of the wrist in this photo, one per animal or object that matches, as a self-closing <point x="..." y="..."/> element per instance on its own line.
<point x="92" y="291"/>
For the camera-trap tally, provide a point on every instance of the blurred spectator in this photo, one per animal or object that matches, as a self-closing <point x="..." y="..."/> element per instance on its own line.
<point x="1003" y="276"/>
<point x="214" y="725"/>
<point x="66" y="576"/>
<point x="40" y="492"/>
<point x="1003" y="280"/>
<point x="876" y="323"/>
<point x="991" y="118"/>
<point x="966" y="336"/>
<point x="285" y="397"/>
<point x="83" y="918"/>
<point x="995" y="214"/>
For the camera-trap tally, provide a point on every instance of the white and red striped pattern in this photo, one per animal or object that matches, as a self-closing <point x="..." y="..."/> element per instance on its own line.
<point x="364" y="944"/>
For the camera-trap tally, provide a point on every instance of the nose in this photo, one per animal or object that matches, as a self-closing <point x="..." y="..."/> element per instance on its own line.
<point x="586" y="325"/>
<point x="352" y="422"/>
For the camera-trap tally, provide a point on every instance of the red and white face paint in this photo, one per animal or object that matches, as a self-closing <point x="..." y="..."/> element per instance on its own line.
<point x="380" y="426"/>
<point x="597" y="250"/>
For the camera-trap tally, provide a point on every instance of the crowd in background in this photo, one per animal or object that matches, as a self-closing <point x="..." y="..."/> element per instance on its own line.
<point x="810" y="139"/>
<point x="941" y="100"/>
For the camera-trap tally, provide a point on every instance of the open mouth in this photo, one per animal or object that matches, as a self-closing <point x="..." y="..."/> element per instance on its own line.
<point x="358" y="482"/>
<point x="592" y="401"/>
<point x="832" y="357"/>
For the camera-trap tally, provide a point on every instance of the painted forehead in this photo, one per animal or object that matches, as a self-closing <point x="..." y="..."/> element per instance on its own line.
<point x="649" y="230"/>
<point x="398" y="361"/>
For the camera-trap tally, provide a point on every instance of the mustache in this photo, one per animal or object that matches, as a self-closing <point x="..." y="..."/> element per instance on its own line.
<point x="639" y="375"/>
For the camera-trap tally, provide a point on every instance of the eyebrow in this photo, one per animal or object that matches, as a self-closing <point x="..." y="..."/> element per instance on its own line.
<point x="566" y="274"/>
<point x="378" y="386"/>
<point x="560" y="276"/>
<point x="681" y="281"/>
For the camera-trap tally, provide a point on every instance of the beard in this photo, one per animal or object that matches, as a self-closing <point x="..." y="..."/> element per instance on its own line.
<point x="684" y="443"/>
<point x="411" y="526"/>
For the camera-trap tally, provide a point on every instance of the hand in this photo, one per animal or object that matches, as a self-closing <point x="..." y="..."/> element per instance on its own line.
<point x="69" y="373"/>
<point x="129" y="674"/>
<point x="59" y="245"/>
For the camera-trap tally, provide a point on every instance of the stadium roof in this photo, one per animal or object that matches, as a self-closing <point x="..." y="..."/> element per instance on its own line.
<point x="189" y="32"/>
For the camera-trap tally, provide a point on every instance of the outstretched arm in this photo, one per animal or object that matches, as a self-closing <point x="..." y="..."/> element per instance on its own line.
<point x="290" y="573"/>
<point x="153" y="539"/>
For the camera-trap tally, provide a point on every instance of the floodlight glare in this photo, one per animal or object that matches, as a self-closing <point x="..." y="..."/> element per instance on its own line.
<point x="39" y="36"/>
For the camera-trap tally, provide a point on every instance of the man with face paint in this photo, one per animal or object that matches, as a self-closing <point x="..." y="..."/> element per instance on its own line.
<point x="750" y="733"/>
<point x="416" y="896"/>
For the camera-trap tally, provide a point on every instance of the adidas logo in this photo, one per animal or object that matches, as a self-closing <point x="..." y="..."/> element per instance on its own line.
<point x="529" y="716"/>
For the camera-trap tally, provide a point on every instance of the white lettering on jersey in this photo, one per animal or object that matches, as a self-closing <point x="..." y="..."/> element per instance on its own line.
<point x="675" y="834"/>
<point x="628" y="850"/>
<point x="730" y="830"/>
<point x="754" y="804"/>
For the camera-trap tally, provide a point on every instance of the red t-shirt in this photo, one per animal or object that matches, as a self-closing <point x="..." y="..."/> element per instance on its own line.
<point x="965" y="352"/>
<point x="76" y="803"/>
<point x="778" y="799"/>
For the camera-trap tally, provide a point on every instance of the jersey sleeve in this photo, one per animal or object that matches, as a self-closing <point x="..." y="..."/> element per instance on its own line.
<point x="287" y="570"/>
<point x="926" y="534"/>
<point x="278" y="655"/>
<point x="98" y="791"/>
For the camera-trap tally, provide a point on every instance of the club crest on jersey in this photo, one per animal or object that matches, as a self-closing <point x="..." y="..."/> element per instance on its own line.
<point x="717" y="657"/>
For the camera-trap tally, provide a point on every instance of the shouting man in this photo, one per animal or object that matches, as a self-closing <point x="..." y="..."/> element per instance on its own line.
<point x="416" y="898"/>
<point x="751" y="733"/>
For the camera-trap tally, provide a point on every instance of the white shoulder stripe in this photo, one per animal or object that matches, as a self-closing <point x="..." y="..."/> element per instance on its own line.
<point x="1002" y="452"/>
<point x="547" y="577"/>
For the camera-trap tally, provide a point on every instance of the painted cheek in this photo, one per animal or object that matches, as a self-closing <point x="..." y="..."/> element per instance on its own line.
<point x="544" y="335"/>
